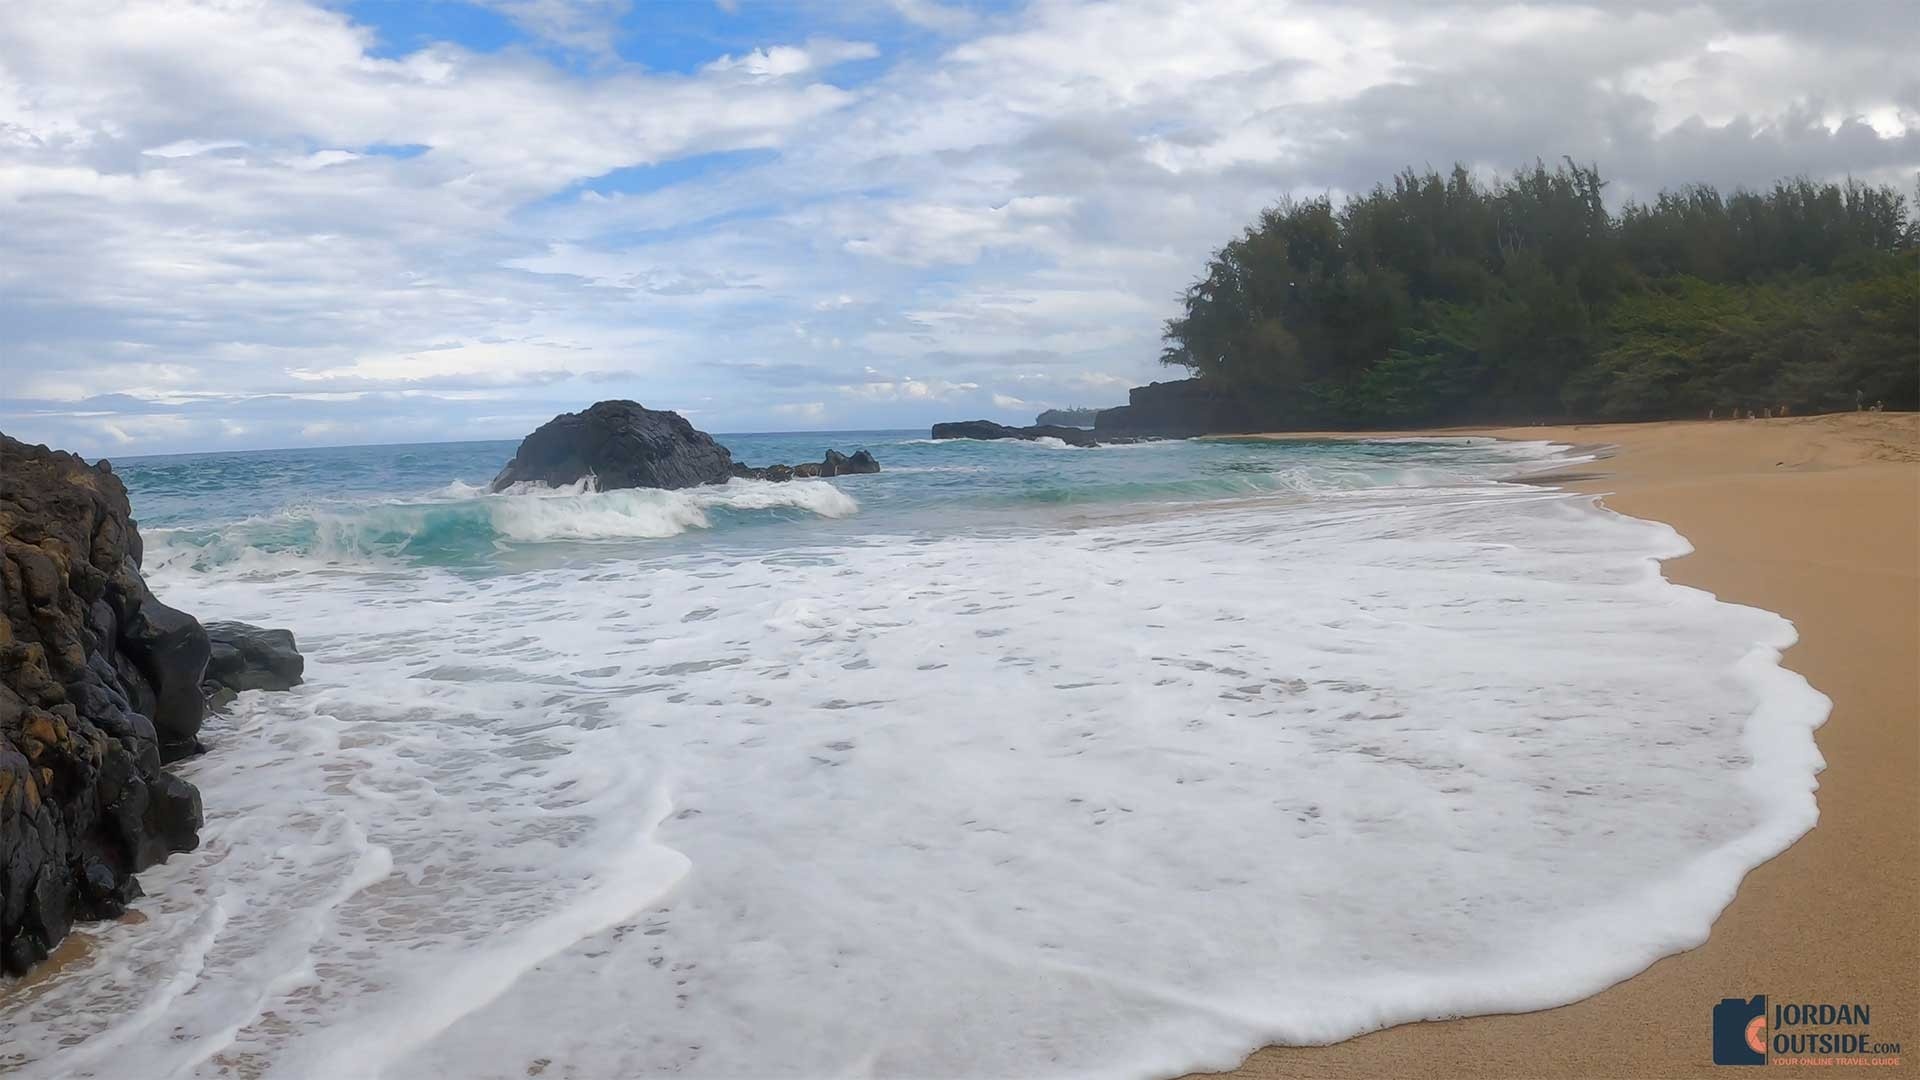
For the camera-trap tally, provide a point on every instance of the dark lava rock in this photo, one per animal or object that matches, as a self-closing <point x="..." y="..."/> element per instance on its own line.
<point x="834" y="464"/>
<point x="621" y="445"/>
<point x="1180" y="408"/>
<point x="987" y="429"/>
<point x="171" y="649"/>
<point x="252" y="658"/>
<point x="89" y="662"/>
<point x="839" y="464"/>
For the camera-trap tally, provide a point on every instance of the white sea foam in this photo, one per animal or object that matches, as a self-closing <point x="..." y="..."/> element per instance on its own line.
<point x="1128" y="800"/>
<point x="458" y="514"/>
<point x="640" y="514"/>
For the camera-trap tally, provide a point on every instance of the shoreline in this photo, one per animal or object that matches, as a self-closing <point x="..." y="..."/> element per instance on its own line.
<point x="1818" y="519"/>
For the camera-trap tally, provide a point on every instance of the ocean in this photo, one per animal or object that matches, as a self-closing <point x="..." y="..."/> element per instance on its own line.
<point x="1013" y="759"/>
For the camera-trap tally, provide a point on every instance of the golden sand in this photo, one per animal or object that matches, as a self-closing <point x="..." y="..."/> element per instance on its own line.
<point x="1817" y="518"/>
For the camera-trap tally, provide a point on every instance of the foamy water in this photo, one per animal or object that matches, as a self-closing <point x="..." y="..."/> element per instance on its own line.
<point x="1282" y="752"/>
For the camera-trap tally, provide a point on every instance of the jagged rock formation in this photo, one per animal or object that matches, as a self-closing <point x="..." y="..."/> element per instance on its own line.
<point x="99" y="684"/>
<point x="620" y="444"/>
<point x="834" y="464"/>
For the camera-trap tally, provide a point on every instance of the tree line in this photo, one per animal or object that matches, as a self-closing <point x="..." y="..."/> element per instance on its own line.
<point x="1447" y="299"/>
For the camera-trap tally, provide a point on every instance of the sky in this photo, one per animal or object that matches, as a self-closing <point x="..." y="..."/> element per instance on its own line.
<point x="232" y="224"/>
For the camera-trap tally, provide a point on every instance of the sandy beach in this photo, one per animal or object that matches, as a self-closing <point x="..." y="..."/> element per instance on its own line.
<point x="1817" y="518"/>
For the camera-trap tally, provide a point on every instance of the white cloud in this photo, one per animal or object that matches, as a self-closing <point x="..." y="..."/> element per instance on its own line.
<point x="214" y="230"/>
<point x="812" y="411"/>
<point x="781" y="61"/>
<point x="585" y="25"/>
<point x="909" y="389"/>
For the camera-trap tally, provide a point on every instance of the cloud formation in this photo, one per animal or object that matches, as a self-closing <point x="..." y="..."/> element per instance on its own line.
<point x="275" y="222"/>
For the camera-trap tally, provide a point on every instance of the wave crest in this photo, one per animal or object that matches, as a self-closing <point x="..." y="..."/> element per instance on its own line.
<point x="462" y="523"/>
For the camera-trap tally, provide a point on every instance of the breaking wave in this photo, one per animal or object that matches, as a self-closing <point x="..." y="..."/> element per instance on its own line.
<point x="463" y="524"/>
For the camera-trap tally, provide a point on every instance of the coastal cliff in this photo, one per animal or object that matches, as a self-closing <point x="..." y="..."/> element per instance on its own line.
<point x="1181" y="407"/>
<point x="99" y="686"/>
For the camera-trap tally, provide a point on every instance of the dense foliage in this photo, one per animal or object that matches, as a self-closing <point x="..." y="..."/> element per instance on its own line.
<point x="1078" y="416"/>
<point x="1443" y="298"/>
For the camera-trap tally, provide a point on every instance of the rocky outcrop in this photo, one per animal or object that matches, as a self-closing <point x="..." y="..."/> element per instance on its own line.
<point x="99" y="685"/>
<point x="839" y="464"/>
<point x="834" y="464"/>
<point x="245" y="657"/>
<point x="619" y="444"/>
<point x="987" y="429"/>
<point x="1176" y="409"/>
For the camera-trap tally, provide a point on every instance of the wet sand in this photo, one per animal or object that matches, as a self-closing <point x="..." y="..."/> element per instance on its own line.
<point x="1817" y="518"/>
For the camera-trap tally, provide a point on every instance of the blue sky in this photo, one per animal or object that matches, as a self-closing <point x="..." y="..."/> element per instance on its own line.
<point x="261" y="223"/>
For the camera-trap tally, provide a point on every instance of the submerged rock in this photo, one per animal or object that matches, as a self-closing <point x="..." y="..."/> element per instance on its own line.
<point x="246" y="657"/>
<point x="987" y="429"/>
<point x="620" y="444"/>
<point x="99" y="684"/>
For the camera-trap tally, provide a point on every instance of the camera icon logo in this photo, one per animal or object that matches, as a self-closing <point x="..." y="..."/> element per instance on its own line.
<point x="1740" y="1031"/>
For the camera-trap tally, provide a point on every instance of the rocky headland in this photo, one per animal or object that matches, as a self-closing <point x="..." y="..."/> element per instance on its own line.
<point x="1177" y="409"/>
<point x="1163" y="410"/>
<point x="987" y="429"/>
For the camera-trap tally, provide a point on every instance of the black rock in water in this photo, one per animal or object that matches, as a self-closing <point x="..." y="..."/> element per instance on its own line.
<point x="252" y="658"/>
<point x="838" y="464"/>
<point x="89" y="662"/>
<point x="834" y="464"/>
<point x="621" y="445"/>
<point x="987" y="429"/>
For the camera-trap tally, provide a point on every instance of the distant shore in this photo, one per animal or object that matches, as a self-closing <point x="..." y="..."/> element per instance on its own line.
<point x="1817" y="518"/>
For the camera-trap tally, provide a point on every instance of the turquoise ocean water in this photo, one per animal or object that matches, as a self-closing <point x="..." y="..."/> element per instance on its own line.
<point x="427" y="504"/>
